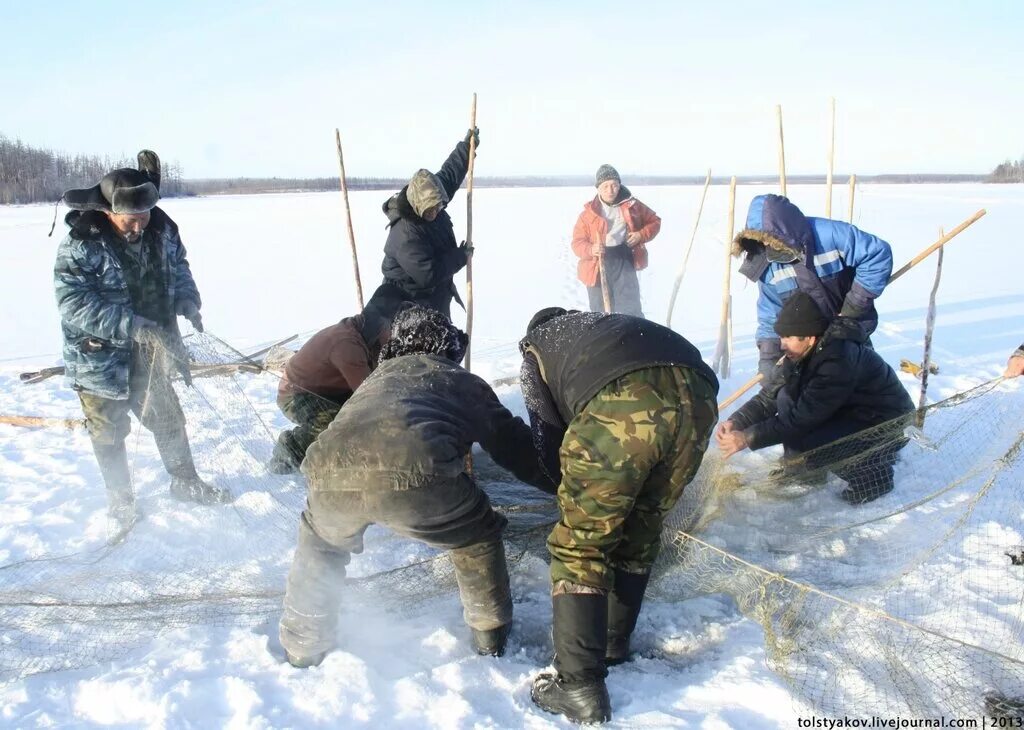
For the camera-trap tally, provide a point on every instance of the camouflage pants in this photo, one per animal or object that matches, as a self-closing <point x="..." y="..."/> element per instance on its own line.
<point x="312" y="414"/>
<point x="625" y="461"/>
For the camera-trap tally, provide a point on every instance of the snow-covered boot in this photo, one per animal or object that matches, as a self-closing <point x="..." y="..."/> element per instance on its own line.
<point x="190" y="488"/>
<point x="482" y="575"/>
<point x="576" y="689"/>
<point x="624" y="602"/>
<point x="121" y="513"/>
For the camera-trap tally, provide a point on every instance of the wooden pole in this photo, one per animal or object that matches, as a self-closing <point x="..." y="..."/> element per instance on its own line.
<point x="41" y="422"/>
<point x="606" y="295"/>
<point x="689" y="248"/>
<point x="469" y="233"/>
<point x="831" y="163"/>
<point x="929" y="328"/>
<point x="348" y="217"/>
<point x="853" y="190"/>
<point x="782" y="152"/>
<point x="723" y="353"/>
<point x="910" y="264"/>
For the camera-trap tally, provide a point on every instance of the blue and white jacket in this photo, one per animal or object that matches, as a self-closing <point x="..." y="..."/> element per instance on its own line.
<point x="843" y="268"/>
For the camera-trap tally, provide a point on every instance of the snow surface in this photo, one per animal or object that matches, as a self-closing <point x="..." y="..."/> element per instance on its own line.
<point x="270" y="266"/>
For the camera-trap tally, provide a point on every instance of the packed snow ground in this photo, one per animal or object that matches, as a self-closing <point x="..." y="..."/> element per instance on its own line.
<point x="271" y="266"/>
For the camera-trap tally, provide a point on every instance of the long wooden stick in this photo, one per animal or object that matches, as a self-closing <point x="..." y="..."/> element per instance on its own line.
<point x="348" y="217"/>
<point x="469" y="233"/>
<point x="689" y="248"/>
<point x="42" y="422"/>
<point x="606" y="295"/>
<point x="853" y="190"/>
<point x="723" y="352"/>
<point x="831" y="163"/>
<point x="782" y="152"/>
<point x="909" y="265"/>
<point x="929" y="328"/>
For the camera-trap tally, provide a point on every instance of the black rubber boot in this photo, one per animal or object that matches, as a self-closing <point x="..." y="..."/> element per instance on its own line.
<point x="577" y="689"/>
<point x="624" y="604"/>
<point x="482" y="574"/>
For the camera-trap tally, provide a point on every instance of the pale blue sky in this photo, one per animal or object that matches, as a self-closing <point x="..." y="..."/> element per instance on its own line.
<point x="653" y="87"/>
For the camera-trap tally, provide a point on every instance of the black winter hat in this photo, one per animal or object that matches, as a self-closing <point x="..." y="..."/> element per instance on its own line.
<point x="417" y="330"/>
<point x="545" y="315"/>
<point x="800" y="317"/>
<point x="123" y="190"/>
<point x="606" y="172"/>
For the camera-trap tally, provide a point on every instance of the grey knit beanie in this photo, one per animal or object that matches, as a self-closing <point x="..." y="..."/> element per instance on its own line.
<point x="607" y="172"/>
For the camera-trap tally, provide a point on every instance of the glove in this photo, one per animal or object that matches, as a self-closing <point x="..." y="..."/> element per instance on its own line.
<point x="466" y="249"/>
<point x="845" y="328"/>
<point x="473" y="134"/>
<point x="186" y="308"/>
<point x="141" y="323"/>
<point x="852" y="309"/>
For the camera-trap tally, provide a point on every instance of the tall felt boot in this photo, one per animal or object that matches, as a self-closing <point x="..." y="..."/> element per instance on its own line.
<point x="482" y="575"/>
<point x="577" y="689"/>
<point x="121" y="511"/>
<point x="186" y="485"/>
<point x="624" y="604"/>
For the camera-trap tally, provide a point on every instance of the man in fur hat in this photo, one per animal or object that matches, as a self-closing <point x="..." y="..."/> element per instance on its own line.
<point x="395" y="456"/>
<point x="421" y="255"/>
<point x="122" y="279"/>
<point x="830" y="387"/>
<point x="842" y="267"/>
<point x="612" y="232"/>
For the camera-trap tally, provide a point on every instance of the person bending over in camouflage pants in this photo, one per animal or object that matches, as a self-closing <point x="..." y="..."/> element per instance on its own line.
<point x="623" y="409"/>
<point x="395" y="456"/>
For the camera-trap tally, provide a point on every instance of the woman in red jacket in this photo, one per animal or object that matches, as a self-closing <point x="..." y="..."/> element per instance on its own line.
<point x="612" y="232"/>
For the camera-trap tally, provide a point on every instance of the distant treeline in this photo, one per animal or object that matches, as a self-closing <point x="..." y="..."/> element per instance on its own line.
<point x="33" y="175"/>
<point x="1008" y="172"/>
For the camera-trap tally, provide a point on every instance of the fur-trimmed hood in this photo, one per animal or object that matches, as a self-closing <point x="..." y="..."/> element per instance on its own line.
<point x="776" y="223"/>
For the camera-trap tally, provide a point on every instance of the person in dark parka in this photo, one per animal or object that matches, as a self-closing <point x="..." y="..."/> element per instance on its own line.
<point x="396" y="456"/>
<point x="420" y="254"/>
<point x="622" y="410"/>
<point x="830" y="386"/>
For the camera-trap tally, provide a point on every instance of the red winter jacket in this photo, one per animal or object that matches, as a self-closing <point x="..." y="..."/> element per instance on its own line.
<point x="591" y="228"/>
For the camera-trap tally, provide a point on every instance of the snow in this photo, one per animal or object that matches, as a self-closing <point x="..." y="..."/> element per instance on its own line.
<point x="270" y="266"/>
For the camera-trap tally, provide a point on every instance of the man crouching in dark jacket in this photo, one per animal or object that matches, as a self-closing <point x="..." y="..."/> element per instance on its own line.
<point x="395" y="456"/>
<point x="830" y="386"/>
<point x="623" y="409"/>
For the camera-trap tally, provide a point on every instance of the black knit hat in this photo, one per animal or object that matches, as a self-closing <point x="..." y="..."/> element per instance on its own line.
<point x="545" y="315"/>
<point x="417" y="330"/>
<point x="606" y="172"/>
<point x="800" y="317"/>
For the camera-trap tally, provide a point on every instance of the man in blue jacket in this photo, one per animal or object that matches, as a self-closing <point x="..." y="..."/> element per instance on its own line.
<point x="840" y="266"/>
<point x="829" y="388"/>
<point x="121" y="279"/>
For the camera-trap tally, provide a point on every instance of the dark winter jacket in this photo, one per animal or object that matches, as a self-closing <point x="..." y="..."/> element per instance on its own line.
<point x="95" y="303"/>
<point x="840" y="379"/>
<point x="420" y="256"/>
<point x="336" y="360"/>
<point x="411" y="423"/>
<point x="843" y="268"/>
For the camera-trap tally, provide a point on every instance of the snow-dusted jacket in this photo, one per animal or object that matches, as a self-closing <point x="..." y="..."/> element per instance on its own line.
<point x="422" y="256"/>
<point x="591" y="227"/>
<point x="841" y="379"/>
<point x="843" y="268"/>
<point x="95" y="305"/>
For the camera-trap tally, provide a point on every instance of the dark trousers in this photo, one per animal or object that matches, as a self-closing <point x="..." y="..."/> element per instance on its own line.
<point x="455" y="515"/>
<point x="312" y="414"/>
<point x="623" y="284"/>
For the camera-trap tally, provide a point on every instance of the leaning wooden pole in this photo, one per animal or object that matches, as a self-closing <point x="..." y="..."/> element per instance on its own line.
<point x="348" y="217"/>
<point x="907" y="267"/>
<point x="929" y="328"/>
<point x="853" y="190"/>
<point x="42" y="422"/>
<point x="686" y="256"/>
<point x="469" y="232"/>
<point x="723" y="353"/>
<point x="831" y="164"/>
<point x="606" y="295"/>
<point x="782" y="152"/>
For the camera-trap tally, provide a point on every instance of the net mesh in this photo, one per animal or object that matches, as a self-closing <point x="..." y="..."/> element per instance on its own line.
<point x="910" y="603"/>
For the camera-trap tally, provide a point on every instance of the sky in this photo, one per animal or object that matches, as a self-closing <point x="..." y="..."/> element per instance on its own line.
<point x="660" y="88"/>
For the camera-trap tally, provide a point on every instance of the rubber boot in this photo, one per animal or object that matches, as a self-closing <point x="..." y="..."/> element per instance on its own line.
<point x="624" y="604"/>
<point x="121" y="511"/>
<point x="482" y="575"/>
<point x="186" y="485"/>
<point x="576" y="689"/>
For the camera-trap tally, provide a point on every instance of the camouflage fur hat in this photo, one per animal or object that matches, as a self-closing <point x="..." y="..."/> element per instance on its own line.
<point x="417" y="330"/>
<point x="425" y="191"/>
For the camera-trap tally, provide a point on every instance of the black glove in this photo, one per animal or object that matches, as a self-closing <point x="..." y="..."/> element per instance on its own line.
<point x="845" y="328"/>
<point x="473" y="134"/>
<point x="140" y="323"/>
<point x="466" y="249"/>
<point x="186" y="308"/>
<point x="852" y="309"/>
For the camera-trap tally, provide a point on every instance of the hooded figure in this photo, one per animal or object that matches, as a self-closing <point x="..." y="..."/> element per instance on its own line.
<point x="395" y="455"/>
<point x="121" y="279"/>
<point x="421" y="255"/>
<point x="830" y="387"/>
<point x="840" y="266"/>
<point x="612" y="232"/>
